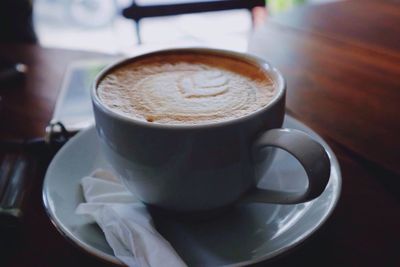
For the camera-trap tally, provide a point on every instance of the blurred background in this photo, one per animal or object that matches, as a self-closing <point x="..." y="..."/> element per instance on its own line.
<point x="97" y="25"/>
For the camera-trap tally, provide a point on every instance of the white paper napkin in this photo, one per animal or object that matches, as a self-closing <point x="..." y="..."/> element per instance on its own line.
<point x="126" y="224"/>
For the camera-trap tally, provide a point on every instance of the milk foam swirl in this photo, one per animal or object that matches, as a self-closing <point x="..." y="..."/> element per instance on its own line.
<point x="183" y="92"/>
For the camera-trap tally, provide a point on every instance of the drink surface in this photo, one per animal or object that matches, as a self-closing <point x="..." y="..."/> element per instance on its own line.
<point x="186" y="88"/>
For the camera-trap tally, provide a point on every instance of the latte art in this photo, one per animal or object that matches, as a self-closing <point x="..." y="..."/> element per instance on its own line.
<point x="186" y="90"/>
<point x="193" y="94"/>
<point x="204" y="83"/>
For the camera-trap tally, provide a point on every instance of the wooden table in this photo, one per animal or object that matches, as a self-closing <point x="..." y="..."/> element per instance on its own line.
<point x="341" y="62"/>
<point x="342" y="65"/>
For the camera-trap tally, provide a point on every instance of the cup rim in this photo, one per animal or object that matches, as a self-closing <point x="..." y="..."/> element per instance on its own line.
<point x="266" y="66"/>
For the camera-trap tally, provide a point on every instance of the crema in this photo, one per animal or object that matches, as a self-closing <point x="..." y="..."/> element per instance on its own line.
<point x="186" y="89"/>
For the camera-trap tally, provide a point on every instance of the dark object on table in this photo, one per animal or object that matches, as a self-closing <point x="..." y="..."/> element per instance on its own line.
<point x="137" y="11"/>
<point x="16" y="21"/>
<point x="19" y="159"/>
<point x="11" y="73"/>
<point x="13" y="179"/>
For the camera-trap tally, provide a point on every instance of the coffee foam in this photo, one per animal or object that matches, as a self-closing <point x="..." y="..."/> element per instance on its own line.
<point x="186" y="89"/>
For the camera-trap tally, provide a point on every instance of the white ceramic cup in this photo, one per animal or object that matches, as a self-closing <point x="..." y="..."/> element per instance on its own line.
<point x="190" y="168"/>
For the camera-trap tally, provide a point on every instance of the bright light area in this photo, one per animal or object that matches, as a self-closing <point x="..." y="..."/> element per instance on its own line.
<point x="69" y="24"/>
<point x="96" y="25"/>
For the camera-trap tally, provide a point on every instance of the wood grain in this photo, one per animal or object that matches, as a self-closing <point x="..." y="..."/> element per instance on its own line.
<point x="342" y="90"/>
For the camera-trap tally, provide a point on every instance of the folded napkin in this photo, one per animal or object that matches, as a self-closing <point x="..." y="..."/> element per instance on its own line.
<point x="126" y="224"/>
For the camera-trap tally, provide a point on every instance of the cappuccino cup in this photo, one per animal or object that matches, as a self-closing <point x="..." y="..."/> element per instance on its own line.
<point x="193" y="130"/>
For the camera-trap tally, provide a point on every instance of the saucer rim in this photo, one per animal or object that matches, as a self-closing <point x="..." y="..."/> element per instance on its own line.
<point x="68" y="235"/>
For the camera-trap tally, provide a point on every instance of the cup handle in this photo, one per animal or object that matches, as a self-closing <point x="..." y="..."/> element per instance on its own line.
<point x="311" y="155"/>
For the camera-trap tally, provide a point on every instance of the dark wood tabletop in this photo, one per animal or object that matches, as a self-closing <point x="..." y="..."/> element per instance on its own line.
<point x="342" y="65"/>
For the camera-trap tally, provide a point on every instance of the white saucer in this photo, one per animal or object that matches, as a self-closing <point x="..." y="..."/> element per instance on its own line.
<point x="246" y="235"/>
